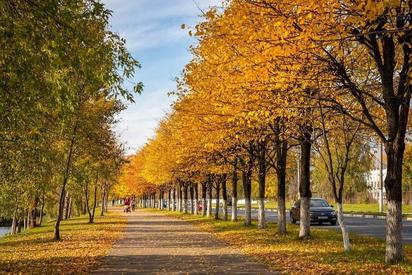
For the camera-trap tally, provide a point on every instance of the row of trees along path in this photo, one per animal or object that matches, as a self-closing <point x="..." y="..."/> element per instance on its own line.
<point x="272" y="82"/>
<point x="62" y="76"/>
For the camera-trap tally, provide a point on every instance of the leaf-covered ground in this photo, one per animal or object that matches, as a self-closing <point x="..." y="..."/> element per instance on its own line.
<point x="82" y="247"/>
<point x="322" y="254"/>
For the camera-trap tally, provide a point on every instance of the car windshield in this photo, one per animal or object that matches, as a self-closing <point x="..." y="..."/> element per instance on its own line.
<point x="318" y="203"/>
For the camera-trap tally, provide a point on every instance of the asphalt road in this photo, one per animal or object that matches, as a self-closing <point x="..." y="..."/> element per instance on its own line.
<point x="358" y="225"/>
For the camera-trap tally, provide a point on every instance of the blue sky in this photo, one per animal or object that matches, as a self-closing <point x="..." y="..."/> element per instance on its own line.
<point x="152" y="29"/>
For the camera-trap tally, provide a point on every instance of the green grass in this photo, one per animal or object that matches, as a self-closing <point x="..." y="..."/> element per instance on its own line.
<point x="322" y="253"/>
<point x="81" y="248"/>
<point x="372" y="208"/>
<point x="271" y="205"/>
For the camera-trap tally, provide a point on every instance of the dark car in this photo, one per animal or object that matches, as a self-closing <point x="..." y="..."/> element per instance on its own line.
<point x="229" y="201"/>
<point x="320" y="212"/>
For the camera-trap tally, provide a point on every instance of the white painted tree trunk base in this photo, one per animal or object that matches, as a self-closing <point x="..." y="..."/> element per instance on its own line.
<point x="261" y="213"/>
<point x="304" y="229"/>
<point x="204" y="207"/>
<point x="394" y="247"/>
<point x="234" y="209"/>
<point x="248" y="212"/>
<point x="209" y="208"/>
<point x="185" y="206"/>
<point x="281" y="216"/>
<point x="224" y="208"/>
<point x="343" y="228"/>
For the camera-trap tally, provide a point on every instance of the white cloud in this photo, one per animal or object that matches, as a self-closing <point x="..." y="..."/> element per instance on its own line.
<point x="150" y="23"/>
<point x="149" y="10"/>
<point x="139" y="121"/>
<point x="153" y="36"/>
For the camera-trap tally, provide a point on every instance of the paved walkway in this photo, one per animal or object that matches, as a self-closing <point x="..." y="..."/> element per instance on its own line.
<point x="157" y="244"/>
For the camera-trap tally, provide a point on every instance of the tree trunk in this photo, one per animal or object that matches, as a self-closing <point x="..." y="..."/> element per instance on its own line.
<point x="262" y="184"/>
<point x="19" y="225"/>
<point x="66" y="206"/>
<point x="169" y="200"/>
<point x="304" y="186"/>
<point x="84" y="208"/>
<point x="393" y="185"/>
<point x="106" y="201"/>
<point x="343" y="228"/>
<point x="150" y="198"/>
<point x="103" y="201"/>
<point x="196" y="200"/>
<point x="281" y="212"/>
<point x="63" y="187"/>
<point x="394" y="248"/>
<point x="217" y="204"/>
<point x="234" y="192"/>
<point x="204" y="199"/>
<point x="185" y="206"/>
<point x="304" y="230"/>
<point x="86" y="198"/>
<point x="161" y="195"/>
<point x="181" y="203"/>
<point x="13" y="226"/>
<point x="70" y="208"/>
<point x="178" y="193"/>
<point x="281" y="147"/>
<point x="13" y="229"/>
<point x="174" y="204"/>
<point x="192" y="200"/>
<point x="209" y="201"/>
<point x="33" y="213"/>
<point x="224" y="197"/>
<point x="91" y="218"/>
<point x="162" y="200"/>
<point x="42" y="210"/>
<point x="247" y="186"/>
<point x="25" y="222"/>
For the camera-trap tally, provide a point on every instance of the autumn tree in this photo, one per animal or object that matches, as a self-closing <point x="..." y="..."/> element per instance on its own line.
<point x="59" y="58"/>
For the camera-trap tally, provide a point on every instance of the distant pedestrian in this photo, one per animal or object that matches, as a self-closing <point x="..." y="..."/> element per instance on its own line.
<point x="133" y="203"/>
<point x="127" y="204"/>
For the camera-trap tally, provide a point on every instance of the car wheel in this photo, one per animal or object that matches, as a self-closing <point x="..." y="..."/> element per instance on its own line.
<point x="333" y="223"/>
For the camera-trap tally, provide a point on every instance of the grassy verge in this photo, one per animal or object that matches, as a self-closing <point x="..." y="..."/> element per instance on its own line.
<point x="321" y="254"/>
<point x="81" y="249"/>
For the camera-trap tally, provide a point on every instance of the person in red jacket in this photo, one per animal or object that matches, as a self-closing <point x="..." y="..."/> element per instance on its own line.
<point x="127" y="204"/>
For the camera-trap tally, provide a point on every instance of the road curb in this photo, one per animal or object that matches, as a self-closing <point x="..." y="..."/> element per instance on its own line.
<point x="374" y="216"/>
